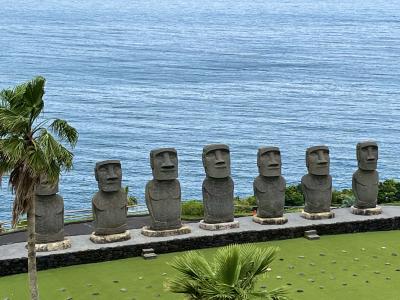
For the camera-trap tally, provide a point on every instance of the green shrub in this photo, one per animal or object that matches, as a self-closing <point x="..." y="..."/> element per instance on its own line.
<point x="294" y="195"/>
<point x="389" y="191"/>
<point x="341" y="196"/>
<point x="193" y="208"/>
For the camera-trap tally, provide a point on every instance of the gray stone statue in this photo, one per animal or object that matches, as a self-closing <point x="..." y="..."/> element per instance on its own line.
<point x="317" y="184"/>
<point x="163" y="193"/>
<point x="217" y="187"/>
<point x="269" y="187"/>
<point x="366" y="179"/>
<point x="109" y="204"/>
<point x="49" y="213"/>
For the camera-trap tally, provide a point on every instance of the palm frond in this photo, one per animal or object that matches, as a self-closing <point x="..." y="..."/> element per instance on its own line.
<point x="280" y="293"/>
<point x="230" y="276"/>
<point x="22" y="181"/>
<point x="192" y="265"/>
<point x="182" y="286"/>
<point x="9" y="97"/>
<point x="33" y="96"/>
<point x="12" y="149"/>
<point x="227" y="266"/>
<point x="64" y="131"/>
<point x="12" y="123"/>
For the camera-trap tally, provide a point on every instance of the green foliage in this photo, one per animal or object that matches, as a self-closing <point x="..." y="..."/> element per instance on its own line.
<point x="389" y="191"/>
<point x="342" y="197"/>
<point x="231" y="275"/>
<point x="132" y="200"/>
<point x="294" y="195"/>
<point x="193" y="208"/>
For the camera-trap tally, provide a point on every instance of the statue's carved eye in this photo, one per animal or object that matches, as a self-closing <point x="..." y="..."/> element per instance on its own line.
<point x="210" y="155"/>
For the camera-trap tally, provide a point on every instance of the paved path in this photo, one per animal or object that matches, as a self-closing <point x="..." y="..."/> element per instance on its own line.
<point x="295" y="221"/>
<point x="134" y="222"/>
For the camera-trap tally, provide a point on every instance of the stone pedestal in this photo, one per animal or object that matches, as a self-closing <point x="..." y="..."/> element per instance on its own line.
<point x="110" y="238"/>
<point x="366" y="211"/>
<point x="218" y="226"/>
<point x="270" y="221"/>
<point x="61" y="245"/>
<point x="318" y="216"/>
<point x="161" y="233"/>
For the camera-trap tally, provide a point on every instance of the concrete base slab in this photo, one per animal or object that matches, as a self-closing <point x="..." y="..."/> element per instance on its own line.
<point x="366" y="211"/>
<point x="146" y="231"/>
<point x="218" y="226"/>
<point x="270" y="221"/>
<point x="318" y="216"/>
<point x="110" y="238"/>
<point x="61" y="245"/>
<point x="13" y="257"/>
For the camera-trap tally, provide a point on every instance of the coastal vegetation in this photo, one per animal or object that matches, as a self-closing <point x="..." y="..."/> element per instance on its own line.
<point x="28" y="151"/>
<point x="389" y="193"/>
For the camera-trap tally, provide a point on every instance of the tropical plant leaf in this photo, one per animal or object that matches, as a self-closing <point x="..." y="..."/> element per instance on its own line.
<point x="227" y="266"/>
<point x="231" y="275"/>
<point x="64" y="131"/>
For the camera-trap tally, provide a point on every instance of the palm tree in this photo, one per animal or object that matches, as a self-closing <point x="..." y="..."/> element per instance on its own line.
<point x="230" y="276"/>
<point x="29" y="150"/>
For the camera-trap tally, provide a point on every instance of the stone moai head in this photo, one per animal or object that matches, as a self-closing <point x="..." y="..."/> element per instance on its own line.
<point x="317" y="160"/>
<point x="269" y="161"/>
<point x="367" y="155"/>
<point x="217" y="160"/>
<point x="108" y="174"/>
<point x="164" y="163"/>
<point x="44" y="188"/>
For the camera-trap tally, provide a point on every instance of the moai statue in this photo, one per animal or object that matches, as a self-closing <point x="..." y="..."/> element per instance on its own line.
<point x="163" y="195"/>
<point x="218" y="189"/>
<point x="49" y="215"/>
<point x="366" y="180"/>
<point x="109" y="204"/>
<point x="317" y="184"/>
<point x="269" y="187"/>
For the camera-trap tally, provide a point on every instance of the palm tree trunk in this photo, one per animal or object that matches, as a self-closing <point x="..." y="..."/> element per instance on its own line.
<point x="32" y="272"/>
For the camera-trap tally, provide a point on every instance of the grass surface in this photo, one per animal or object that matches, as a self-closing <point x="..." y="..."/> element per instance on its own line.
<point x="353" y="266"/>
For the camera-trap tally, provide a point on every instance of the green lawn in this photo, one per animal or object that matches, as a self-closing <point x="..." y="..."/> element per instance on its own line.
<point x="353" y="266"/>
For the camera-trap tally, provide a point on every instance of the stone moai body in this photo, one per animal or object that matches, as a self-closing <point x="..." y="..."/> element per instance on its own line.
<point x="49" y="213"/>
<point x="317" y="184"/>
<point x="269" y="187"/>
<point x="109" y="204"/>
<point x="218" y="185"/>
<point x="366" y="179"/>
<point x="163" y="193"/>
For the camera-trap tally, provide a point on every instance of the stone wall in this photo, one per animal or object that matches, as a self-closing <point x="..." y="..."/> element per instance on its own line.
<point x="19" y="265"/>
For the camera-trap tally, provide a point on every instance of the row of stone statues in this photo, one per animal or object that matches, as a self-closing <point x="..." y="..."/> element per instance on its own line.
<point x="163" y="193"/>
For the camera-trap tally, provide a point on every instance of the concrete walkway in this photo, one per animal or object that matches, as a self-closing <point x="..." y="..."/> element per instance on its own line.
<point x="81" y="228"/>
<point x="341" y="223"/>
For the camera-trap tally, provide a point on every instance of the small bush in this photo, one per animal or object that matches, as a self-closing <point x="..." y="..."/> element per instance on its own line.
<point x="389" y="191"/>
<point x="341" y="196"/>
<point x="294" y="195"/>
<point x="193" y="208"/>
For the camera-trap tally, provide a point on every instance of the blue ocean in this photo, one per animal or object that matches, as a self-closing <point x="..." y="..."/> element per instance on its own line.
<point x="132" y="76"/>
